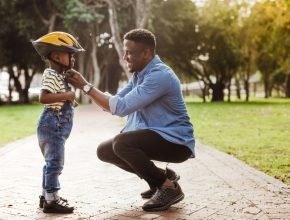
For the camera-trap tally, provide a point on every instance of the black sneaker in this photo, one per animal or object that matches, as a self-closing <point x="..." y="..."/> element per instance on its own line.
<point x="59" y="206"/>
<point x="149" y="193"/>
<point x="164" y="198"/>
<point x="170" y="174"/>
<point x="41" y="201"/>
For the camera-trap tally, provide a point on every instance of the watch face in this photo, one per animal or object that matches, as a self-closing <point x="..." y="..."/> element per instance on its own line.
<point x="86" y="88"/>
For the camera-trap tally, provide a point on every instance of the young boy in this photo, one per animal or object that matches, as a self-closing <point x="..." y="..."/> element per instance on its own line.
<point x="55" y="122"/>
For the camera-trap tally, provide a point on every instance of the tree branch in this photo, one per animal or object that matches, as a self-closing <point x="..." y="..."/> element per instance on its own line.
<point x="43" y="19"/>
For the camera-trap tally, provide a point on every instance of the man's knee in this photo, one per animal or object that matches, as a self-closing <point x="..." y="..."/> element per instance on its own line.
<point x="103" y="151"/>
<point x="120" y="144"/>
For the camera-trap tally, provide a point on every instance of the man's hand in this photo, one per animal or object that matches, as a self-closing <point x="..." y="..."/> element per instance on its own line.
<point x="75" y="78"/>
<point x="78" y="81"/>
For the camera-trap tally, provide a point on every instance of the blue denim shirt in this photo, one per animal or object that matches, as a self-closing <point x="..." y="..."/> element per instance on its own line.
<point x="153" y="100"/>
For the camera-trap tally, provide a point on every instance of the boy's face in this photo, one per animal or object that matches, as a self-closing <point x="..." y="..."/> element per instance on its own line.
<point x="64" y="58"/>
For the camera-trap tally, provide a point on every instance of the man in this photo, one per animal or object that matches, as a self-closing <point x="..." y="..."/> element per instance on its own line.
<point x="158" y="126"/>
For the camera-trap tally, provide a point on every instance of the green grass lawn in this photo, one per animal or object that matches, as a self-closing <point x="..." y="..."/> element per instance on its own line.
<point x="18" y="121"/>
<point x="256" y="132"/>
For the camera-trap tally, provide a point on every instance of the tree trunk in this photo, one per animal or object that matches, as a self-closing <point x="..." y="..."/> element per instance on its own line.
<point x="287" y="92"/>
<point x="111" y="71"/>
<point x="142" y="11"/>
<point x="23" y="91"/>
<point x="96" y="69"/>
<point x="247" y="89"/>
<point x="17" y="84"/>
<point x="229" y="91"/>
<point x="88" y="71"/>
<point x="10" y="88"/>
<point x="266" y="87"/>
<point x="116" y="35"/>
<point x="217" y="92"/>
<point x="81" y="69"/>
<point x="50" y="22"/>
<point x="238" y="87"/>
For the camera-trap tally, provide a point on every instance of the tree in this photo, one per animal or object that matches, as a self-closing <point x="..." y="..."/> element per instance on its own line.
<point x="48" y="11"/>
<point x="17" y="25"/>
<point x="175" y="26"/>
<point x="218" y="50"/>
<point x="141" y="15"/>
<point x="85" y="15"/>
<point x="272" y="39"/>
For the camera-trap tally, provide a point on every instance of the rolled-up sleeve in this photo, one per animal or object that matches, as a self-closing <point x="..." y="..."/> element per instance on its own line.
<point x="154" y="85"/>
<point x="113" y="103"/>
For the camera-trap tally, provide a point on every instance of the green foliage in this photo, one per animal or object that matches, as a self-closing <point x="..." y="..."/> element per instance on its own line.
<point x="219" y="33"/>
<point x="174" y="23"/>
<point x="17" y="29"/>
<point x="79" y="11"/>
<point x="255" y="132"/>
<point x="271" y="33"/>
<point x="236" y="42"/>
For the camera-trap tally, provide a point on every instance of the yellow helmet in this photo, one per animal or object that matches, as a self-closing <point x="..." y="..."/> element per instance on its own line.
<point x="56" y="41"/>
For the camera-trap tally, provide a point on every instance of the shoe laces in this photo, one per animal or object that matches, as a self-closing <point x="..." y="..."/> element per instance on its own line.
<point x="62" y="202"/>
<point x="160" y="193"/>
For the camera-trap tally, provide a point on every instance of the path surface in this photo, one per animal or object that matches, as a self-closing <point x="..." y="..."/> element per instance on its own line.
<point x="216" y="185"/>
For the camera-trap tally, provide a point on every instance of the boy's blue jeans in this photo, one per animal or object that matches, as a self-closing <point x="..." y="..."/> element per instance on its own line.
<point x="53" y="129"/>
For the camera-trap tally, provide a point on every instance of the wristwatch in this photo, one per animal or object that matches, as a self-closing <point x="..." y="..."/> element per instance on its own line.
<point x="87" y="88"/>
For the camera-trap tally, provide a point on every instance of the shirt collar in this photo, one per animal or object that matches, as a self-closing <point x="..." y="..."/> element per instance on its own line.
<point x="54" y="71"/>
<point x="146" y="69"/>
<point x="50" y="70"/>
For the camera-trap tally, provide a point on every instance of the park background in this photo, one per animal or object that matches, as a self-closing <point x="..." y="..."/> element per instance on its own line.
<point x="231" y="56"/>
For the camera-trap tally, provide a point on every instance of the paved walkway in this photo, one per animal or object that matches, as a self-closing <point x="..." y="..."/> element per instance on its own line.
<point x="216" y="185"/>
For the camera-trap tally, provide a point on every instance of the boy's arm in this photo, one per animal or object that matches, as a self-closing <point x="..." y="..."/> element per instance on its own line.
<point x="47" y="97"/>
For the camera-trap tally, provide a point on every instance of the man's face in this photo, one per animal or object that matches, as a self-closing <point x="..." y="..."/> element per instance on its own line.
<point x="135" y="55"/>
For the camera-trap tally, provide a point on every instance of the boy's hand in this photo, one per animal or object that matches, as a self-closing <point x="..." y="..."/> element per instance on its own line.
<point x="75" y="78"/>
<point x="70" y="96"/>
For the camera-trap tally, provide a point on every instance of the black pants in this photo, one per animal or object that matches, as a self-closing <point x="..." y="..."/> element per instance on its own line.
<point x="134" y="150"/>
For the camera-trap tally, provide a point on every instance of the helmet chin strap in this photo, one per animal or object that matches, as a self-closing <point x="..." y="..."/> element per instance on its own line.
<point x="63" y="67"/>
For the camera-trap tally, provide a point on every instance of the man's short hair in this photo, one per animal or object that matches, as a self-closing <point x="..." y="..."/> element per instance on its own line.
<point x="142" y="36"/>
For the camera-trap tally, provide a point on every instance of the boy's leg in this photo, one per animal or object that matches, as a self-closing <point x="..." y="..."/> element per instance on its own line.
<point x="52" y="139"/>
<point x="43" y="180"/>
<point x="53" y="153"/>
<point x="42" y="196"/>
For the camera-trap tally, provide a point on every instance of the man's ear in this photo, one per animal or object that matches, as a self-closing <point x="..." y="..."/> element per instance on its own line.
<point x="147" y="53"/>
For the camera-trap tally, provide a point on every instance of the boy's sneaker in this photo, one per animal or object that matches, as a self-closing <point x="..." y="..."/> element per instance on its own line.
<point x="41" y="201"/>
<point x="164" y="198"/>
<point x="170" y="174"/>
<point x="59" y="206"/>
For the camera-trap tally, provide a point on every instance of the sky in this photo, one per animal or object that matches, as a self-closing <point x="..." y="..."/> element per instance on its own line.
<point x="201" y="2"/>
